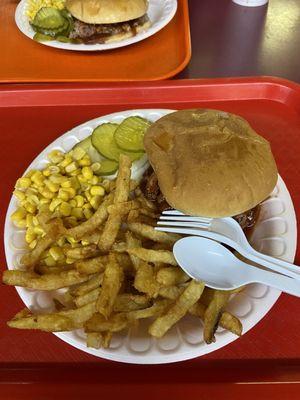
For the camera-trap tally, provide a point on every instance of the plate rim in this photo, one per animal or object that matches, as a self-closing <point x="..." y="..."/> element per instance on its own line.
<point x="167" y="357"/>
<point x="19" y="14"/>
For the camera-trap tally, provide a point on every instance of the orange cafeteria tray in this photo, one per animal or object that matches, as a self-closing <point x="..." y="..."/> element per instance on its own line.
<point x="161" y="56"/>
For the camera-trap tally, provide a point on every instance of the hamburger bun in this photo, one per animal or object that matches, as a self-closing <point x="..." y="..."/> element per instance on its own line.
<point x="106" y="11"/>
<point x="210" y="163"/>
<point x="126" y="35"/>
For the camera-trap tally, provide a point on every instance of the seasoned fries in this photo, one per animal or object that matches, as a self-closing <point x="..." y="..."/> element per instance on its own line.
<point x="116" y="268"/>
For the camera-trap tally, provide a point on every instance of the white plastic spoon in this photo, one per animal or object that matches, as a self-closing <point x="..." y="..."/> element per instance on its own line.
<point x="206" y="260"/>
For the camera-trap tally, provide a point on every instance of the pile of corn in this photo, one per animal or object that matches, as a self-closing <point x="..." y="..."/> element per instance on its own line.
<point x="67" y="186"/>
<point x="34" y="6"/>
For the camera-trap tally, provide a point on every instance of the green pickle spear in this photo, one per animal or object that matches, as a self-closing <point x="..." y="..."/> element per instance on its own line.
<point x="103" y="140"/>
<point x="130" y="133"/>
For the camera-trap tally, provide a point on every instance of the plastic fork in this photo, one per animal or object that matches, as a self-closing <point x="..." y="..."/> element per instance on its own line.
<point x="226" y="231"/>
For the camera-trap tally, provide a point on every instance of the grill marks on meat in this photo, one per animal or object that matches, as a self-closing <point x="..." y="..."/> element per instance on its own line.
<point x="151" y="190"/>
<point x="99" y="33"/>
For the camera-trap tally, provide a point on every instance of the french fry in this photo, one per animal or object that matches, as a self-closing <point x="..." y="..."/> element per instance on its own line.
<point x="145" y="281"/>
<point x="43" y="282"/>
<point x="82" y="252"/>
<point x="150" y="233"/>
<point x="145" y="202"/>
<point x="123" y="208"/>
<point x="227" y="320"/>
<point x="92" y="283"/>
<point x="170" y="292"/>
<point x="186" y="300"/>
<point x="158" y="307"/>
<point x="162" y="256"/>
<point x="94" y="339"/>
<point x="30" y="259"/>
<point x="132" y="242"/>
<point x="169" y="276"/>
<point x="98" y="323"/>
<point x="46" y="269"/>
<point x="96" y="220"/>
<point x="86" y="298"/>
<point x="91" y="265"/>
<point x="122" y="190"/>
<point x="112" y="281"/>
<point x="126" y="302"/>
<point x="213" y="314"/>
<point x="55" y="322"/>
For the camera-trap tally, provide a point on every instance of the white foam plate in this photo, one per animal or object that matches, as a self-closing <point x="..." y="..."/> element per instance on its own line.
<point x="160" y="14"/>
<point x="275" y="234"/>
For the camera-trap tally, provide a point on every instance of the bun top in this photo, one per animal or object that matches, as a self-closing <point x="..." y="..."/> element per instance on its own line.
<point x="210" y="163"/>
<point x="106" y="11"/>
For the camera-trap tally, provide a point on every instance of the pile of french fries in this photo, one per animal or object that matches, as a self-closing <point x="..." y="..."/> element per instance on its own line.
<point x="125" y="273"/>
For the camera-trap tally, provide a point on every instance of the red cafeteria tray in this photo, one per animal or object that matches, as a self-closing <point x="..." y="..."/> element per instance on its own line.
<point x="264" y="361"/>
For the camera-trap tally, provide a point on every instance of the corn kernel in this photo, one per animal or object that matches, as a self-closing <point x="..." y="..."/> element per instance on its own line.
<point x="77" y="213"/>
<point x="87" y="213"/>
<point x="78" y="153"/>
<point x="97" y="191"/>
<point x="81" y="178"/>
<point x="87" y="206"/>
<point x="19" y="195"/>
<point x="63" y="195"/>
<point x="73" y="203"/>
<point x="71" y="192"/>
<point x="19" y="214"/>
<point x="54" y="203"/>
<point x="95" y="166"/>
<point x="79" y="200"/>
<point x="31" y="191"/>
<point x="56" y="253"/>
<point x="31" y="208"/>
<point x="85" y="161"/>
<point x="88" y="196"/>
<point x="54" y="169"/>
<point x="66" y="184"/>
<point x="29" y="220"/>
<point x="66" y="161"/>
<point x="71" y="240"/>
<point x="85" y="186"/>
<point x="71" y="167"/>
<point x="65" y="209"/>
<point x="87" y="172"/>
<point x="37" y="178"/>
<point x="75" y="173"/>
<point x="57" y="178"/>
<point x="23" y="183"/>
<point x="75" y="183"/>
<point x="35" y="221"/>
<point x="95" y="202"/>
<point x="47" y="194"/>
<point x="32" y="244"/>
<point x="33" y="199"/>
<point x="49" y="261"/>
<point x="30" y="236"/>
<point x="46" y="172"/>
<point x="53" y="187"/>
<point x="38" y="230"/>
<point x="56" y="156"/>
<point x="44" y="202"/>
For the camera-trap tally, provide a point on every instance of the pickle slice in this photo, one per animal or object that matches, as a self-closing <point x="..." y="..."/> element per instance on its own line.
<point x="130" y="133"/>
<point x="48" y="18"/>
<point x="107" y="167"/>
<point x="40" y="37"/>
<point x="103" y="140"/>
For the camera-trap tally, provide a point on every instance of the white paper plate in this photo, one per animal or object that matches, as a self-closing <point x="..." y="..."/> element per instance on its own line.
<point x="160" y="13"/>
<point x="275" y="234"/>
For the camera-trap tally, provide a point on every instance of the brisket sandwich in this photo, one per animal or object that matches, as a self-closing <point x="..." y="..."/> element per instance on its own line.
<point x="106" y="21"/>
<point x="208" y="163"/>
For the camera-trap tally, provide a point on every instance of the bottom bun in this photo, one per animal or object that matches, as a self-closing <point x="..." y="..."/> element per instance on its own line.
<point x="126" y="35"/>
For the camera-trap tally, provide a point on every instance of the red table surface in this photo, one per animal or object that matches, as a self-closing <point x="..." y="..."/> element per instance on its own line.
<point x="32" y="116"/>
